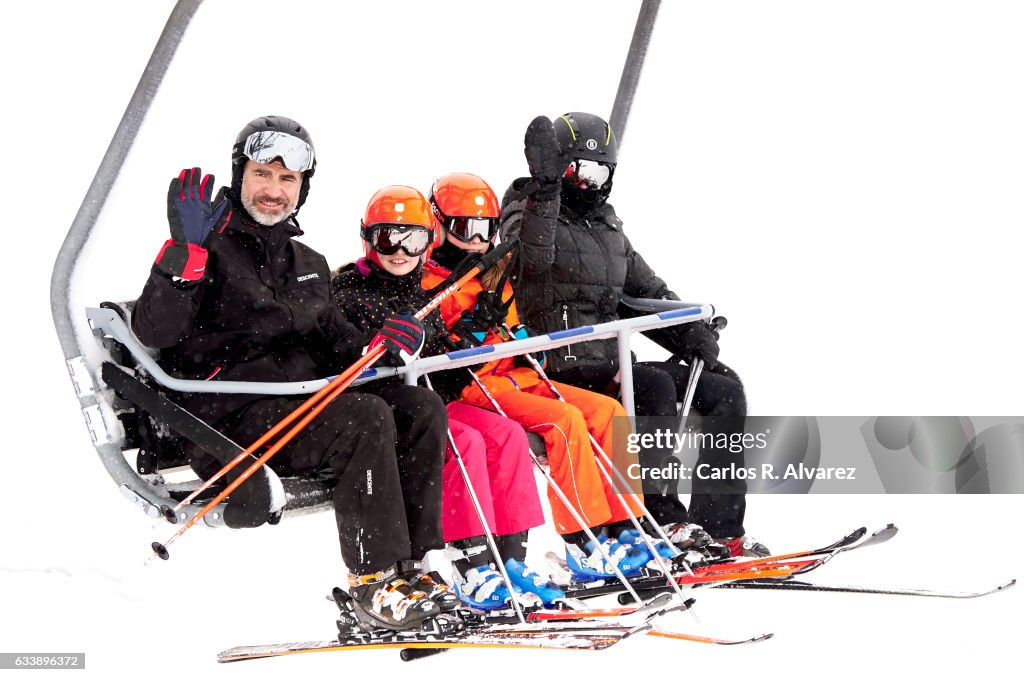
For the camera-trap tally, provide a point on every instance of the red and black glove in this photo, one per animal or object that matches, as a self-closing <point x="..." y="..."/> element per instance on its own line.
<point x="402" y="336"/>
<point x="191" y="218"/>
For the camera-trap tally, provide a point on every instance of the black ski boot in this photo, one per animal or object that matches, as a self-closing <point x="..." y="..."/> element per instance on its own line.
<point x="384" y="601"/>
<point x="687" y="536"/>
<point x="431" y="583"/>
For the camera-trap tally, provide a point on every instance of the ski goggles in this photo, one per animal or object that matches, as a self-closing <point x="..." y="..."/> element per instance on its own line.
<point x="465" y="229"/>
<point x="387" y="238"/>
<point x="267" y="145"/>
<point x="594" y="173"/>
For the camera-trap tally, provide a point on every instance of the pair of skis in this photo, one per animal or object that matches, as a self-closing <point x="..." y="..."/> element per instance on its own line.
<point x="767" y="582"/>
<point x="777" y="572"/>
<point x="728" y="570"/>
<point x="567" y="629"/>
<point x="597" y="629"/>
<point x="417" y="645"/>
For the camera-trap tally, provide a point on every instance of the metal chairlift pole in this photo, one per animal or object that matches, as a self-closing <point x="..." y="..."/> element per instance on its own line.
<point x="634" y="65"/>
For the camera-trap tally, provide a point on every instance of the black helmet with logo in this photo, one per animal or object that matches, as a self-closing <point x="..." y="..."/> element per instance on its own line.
<point x="589" y="143"/>
<point x="267" y="138"/>
<point x="587" y="136"/>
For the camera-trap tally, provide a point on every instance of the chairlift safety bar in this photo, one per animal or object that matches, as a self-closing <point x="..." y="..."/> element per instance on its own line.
<point x="109" y="322"/>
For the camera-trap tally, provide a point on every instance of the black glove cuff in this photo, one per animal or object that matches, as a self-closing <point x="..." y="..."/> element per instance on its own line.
<point x="546" y="191"/>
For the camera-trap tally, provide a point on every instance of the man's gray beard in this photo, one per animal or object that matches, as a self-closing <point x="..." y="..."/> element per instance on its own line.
<point x="265" y="219"/>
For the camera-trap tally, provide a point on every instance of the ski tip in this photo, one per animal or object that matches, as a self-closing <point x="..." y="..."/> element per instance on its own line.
<point x="660" y="599"/>
<point x="702" y="639"/>
<point x="752" y="640"/>
<point x="161" y="551"/>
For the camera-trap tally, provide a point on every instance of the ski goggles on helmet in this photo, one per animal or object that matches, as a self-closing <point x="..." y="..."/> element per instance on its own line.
<point x="388" y="238"/>
<point x="465" y="229"/>
<point x="266" y="145"/>
<point x="594" y="173"/>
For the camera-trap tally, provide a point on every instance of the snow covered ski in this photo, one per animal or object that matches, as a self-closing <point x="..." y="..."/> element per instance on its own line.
<point x="658" y="605"/>
<point x="592" y="638"/>
<point x="565" y="629"/>
<point x="468" y="629"/>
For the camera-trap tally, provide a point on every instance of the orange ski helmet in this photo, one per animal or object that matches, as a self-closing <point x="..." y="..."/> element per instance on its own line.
<point x="399" y="217"/>
<point x="465" y="206"/>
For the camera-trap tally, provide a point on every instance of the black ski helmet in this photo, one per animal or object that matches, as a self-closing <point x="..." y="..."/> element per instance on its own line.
<point x="586" y="136"/>
<point x="281" y="124"/>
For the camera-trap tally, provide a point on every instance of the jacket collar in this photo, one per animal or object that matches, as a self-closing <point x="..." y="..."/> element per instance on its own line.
<point x="604" y="213"/>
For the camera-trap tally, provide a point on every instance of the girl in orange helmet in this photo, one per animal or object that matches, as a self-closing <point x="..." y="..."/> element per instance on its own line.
<point x="399" y="232"/>
<point x="468" y="211"/>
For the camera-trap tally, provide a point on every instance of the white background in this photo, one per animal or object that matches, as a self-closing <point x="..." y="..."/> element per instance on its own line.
<point x="842" y="180"/>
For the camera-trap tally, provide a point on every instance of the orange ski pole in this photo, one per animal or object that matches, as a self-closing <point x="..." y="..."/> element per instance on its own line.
<point x="171" y="514"/>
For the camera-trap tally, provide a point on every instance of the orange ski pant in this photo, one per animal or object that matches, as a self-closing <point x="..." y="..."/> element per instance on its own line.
<point x="564" y="427"/>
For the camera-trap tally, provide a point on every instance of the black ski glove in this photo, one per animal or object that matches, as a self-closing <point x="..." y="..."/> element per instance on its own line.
<point x="699" y="340"/>
<point x="489" y="313"/>
<point x="191" y="218"/>
<point x="402" y="337"/>
<point x="545" y="158"/>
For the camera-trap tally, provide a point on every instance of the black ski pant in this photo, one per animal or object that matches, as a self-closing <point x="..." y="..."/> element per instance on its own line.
<point x="657" y="388"/>
<point x="384" y="443"/>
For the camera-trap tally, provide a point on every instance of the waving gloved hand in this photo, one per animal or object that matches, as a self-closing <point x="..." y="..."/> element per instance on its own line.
<point x="401" y="335"/>
<point x="545" y="158"/>
<point x="699" y="340"/>
<point x="191" y="218"/>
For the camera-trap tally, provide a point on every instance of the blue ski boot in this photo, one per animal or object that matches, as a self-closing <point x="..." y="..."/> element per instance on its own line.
<point x="632" y="538"/>
<point x="530" y="581"/>
<point x="484" y="588"/>
<point x="588" y="564"/>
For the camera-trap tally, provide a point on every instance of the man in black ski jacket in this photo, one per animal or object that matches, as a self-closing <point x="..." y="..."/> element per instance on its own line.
<point x="575" y="265"/>
<point x="233" y="296"/>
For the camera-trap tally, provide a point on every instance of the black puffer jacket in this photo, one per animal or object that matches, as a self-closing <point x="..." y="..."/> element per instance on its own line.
<point x="262" y="312"/>
<point x="572" y="271"/>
